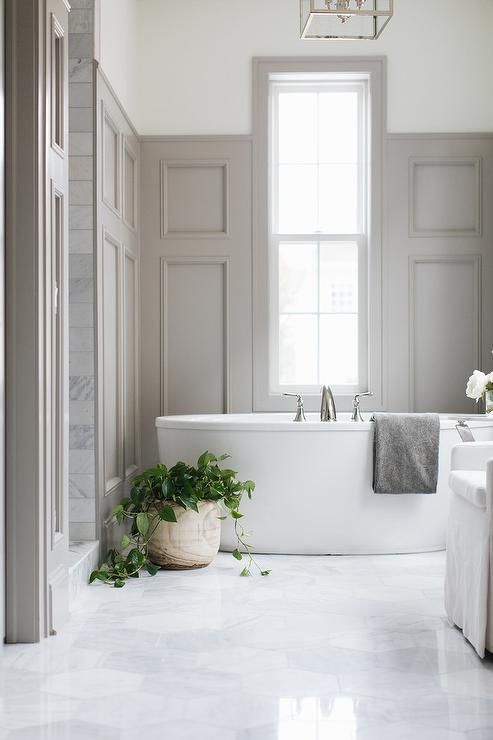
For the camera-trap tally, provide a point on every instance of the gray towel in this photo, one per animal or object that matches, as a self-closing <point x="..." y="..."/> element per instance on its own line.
<point x="405" y="456"/>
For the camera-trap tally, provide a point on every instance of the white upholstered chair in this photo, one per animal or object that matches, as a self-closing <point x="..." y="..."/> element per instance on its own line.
<point x="469" y="575"/>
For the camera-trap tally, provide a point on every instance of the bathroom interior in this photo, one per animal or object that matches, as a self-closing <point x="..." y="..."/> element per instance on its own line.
<point x="246" y="399"/>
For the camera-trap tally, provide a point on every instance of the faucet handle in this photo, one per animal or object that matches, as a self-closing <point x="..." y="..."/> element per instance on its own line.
<point x="356" y="412"/>
<point x="357" y="396"/>
<point x="295" y="395"/>
<point x="300" y="411"/>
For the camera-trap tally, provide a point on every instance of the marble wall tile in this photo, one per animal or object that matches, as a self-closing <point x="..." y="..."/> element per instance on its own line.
<point x="81" y="290"/>
<point x="82" y="3"/>
<point x="82" y="486"/>
<point x="81" y="168"/>
<point x="82" y="112"/>
<point x="81" y="119"/>
<point x="82" y="509"/>
<point x="81" y="193"/>
<point x="82" y="340"/>
<point x="81" y="242"/>
<point x="81" y="315"/>
<point x="82" y="388"/>
<point x="81" y="412"/>
<point x="83" y="531"/>
<point x="81" y="363"/>
<point x="80" y="217"/>
<point x="80" y="20"/>
<point x="81" y="436"/>
<point x="80" y="70"/>
<point x="82" y="462"/>
<point x="81" y="95"/>
<point x="81" y="45"/>
<point x="81" y="266"/>
<point x="80" y="144"/>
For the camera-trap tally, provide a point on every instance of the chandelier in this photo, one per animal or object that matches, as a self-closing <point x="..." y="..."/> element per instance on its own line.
<point x="344" y="19"/>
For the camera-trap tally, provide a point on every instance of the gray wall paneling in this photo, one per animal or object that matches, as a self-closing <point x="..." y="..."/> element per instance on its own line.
<point x="196" y="292"/>
<point x="118" y="295"/>
<point x="438" y="268"/>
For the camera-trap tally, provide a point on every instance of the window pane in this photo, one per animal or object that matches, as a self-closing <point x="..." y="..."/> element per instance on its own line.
<point x="338" y="198"/>
<point x="338" y="127"/>
<point x="298" y="277"/>
<point x="297" y="198"/>
<point x="298" y="127"/>
<point x="339" y="278"/>
<point x="298" y="350"/>
<point x="339" y="349"/>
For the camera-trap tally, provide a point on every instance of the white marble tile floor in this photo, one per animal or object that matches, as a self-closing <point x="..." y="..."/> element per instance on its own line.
<point x="326" y="648"/>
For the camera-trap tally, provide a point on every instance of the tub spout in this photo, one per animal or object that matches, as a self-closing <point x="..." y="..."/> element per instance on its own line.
<point x="328" y="408"/>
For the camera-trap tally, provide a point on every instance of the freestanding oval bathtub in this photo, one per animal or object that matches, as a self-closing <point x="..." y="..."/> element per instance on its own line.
<point x="314" y="482"/>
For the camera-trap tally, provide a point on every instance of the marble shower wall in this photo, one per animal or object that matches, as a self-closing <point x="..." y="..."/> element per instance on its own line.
<point x="81" y="265"/>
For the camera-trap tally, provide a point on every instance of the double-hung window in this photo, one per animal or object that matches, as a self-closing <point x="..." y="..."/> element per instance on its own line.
<point x="318" y="232"/>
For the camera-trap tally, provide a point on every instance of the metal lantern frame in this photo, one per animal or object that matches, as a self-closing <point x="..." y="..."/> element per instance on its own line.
<point x="314" y="12"/>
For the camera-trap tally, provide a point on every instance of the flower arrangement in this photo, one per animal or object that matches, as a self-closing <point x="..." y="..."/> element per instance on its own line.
<point x="479" y="386"/>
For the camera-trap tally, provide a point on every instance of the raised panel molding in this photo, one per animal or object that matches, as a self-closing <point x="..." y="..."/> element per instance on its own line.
<point x="440" y="370"/>
<point x="129" y="184"/>
<point x="112" y="381"/>
<point x="194" y="199"/>
<point x="131" y="365"/>
<point x="111" y="163"/>
<point x="168" y="263"/>
<point x="445" y="196"/>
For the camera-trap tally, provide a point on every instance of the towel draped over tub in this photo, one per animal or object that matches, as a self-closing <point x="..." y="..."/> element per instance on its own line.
<point x="406" y="453"/>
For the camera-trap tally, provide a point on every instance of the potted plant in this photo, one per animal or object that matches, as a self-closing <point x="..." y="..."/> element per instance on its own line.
<point x="175" y="520"/>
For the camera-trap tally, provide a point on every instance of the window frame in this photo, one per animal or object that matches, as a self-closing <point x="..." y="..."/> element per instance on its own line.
<point x="268" y="393"/>
<point x="360" y="86"/>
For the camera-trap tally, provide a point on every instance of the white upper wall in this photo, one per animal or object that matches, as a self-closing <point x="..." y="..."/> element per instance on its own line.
<point x="119" y="44"/>
<point x="193" y="61"/>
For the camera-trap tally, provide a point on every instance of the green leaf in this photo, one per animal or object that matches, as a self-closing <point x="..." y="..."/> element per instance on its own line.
<point x="237" y="554"/>
<point x="142" y="523"/>
<point x="265" y="572"/>
<point x="125" y="541"/>
<point x="119" y="583"/>
<point x="151" y="568"/>
<point x="117" y="510"/>
<point x="222" y="518"/>
<point x="236" y="515"/>
<point x="245" y="572"/>
<point x="167" y="514"/>
<point x="93" y="576"/>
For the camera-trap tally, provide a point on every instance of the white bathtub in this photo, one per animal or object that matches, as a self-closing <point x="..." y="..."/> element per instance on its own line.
<point x="314" y="482"/>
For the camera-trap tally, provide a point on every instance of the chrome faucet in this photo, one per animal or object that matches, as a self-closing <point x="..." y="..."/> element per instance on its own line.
<point x="328" y="408"/>
<point x="356" y="415"/>
<point x="300" y="410"/>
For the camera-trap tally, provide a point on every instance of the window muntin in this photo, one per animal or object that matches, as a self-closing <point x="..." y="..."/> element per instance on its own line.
<point x="318" y="235"/>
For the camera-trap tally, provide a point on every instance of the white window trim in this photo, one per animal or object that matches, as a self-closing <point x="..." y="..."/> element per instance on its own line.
<point x="264" y="300"/>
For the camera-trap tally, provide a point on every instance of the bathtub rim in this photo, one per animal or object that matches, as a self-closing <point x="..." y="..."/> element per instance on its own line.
<point x="264" y="422"/>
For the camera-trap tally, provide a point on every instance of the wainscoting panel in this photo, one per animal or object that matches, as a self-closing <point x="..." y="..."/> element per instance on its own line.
<point x="194" y="198"/>
<point x="196" y="279"/>
<point x="438" y="269"/>
<point x="112" y="412"/>
<point x="118" y="295"/>
<point x="445" y="196"/>
<point x="445" y="302"/>
<point x="131" y="327"/>
<point x="111" y="162"/>
<point x="194" y="312"/>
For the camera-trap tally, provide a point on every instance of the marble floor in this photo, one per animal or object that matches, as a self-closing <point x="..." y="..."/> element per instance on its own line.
<point x="326" y="648"/>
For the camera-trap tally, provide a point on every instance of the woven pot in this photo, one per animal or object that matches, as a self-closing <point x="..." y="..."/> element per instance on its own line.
<point x="190" y="542"/>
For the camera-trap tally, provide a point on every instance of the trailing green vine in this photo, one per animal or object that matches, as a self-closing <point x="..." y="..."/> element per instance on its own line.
<point x="146" y="507"/>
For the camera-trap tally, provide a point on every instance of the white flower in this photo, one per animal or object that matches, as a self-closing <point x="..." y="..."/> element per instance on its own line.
<point x="476" y="385"/>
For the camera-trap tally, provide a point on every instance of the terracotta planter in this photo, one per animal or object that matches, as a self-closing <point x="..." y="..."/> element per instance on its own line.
<point x="190" y="542"/>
